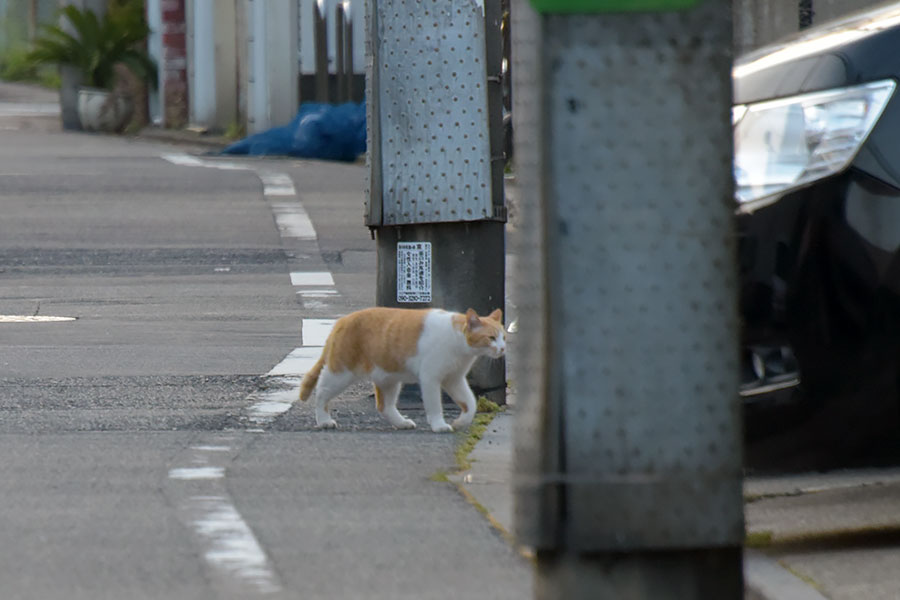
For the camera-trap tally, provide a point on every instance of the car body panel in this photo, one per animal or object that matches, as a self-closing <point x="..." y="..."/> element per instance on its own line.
<point x="820" y="267"/>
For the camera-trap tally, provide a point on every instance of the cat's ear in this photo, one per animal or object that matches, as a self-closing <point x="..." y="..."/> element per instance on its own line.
<point x="497" y="315"/>
<point x="472" y="320"/>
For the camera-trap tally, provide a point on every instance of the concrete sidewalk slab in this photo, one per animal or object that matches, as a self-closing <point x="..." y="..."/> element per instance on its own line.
<point x="827" y="514"/>
<point x="765" y="579"/>
<point x="816" y="509"/>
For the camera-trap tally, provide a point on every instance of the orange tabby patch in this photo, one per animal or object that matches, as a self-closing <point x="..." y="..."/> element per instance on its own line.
<point x="374" y="337"/>
<point x="379" y="399"/>
<point x="481" y="337"/>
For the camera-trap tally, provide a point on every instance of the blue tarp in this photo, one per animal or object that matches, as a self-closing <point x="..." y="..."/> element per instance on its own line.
<point x="326" y="131"/>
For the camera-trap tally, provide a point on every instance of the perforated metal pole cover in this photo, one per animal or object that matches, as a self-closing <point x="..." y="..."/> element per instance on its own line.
<point x="636" y="439"/>
<point x="431" y="146"/>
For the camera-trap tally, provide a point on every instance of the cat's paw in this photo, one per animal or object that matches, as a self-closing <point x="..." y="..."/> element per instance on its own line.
<point x="406" y="424"/>
<point x="442" y="428"/>
<point x="327" y="424"/>
<point x="461" y="423"/>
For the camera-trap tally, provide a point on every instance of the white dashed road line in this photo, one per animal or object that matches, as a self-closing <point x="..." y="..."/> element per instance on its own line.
<point x="184" y="160"/>
<point x="314" y="332"/>
<point x="232" y="547"/>
<point x="239" y="565"/>
<point x="193" y="473"/>
<point x="323" y="278"/>
<point x="293" y="222"/>
<point x="317" y="293"/>
<point x="27" y="109"/>
<point x="300" y="360"/>
<point x="289" y="372"/>
<point x="198" y="482"/>
<point x="34" y="319"/>
<point x="277" y="184"/>
<point x="297" y="362"/>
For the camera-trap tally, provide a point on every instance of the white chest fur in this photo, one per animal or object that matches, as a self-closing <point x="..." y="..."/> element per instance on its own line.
<point x="442" y="349"/>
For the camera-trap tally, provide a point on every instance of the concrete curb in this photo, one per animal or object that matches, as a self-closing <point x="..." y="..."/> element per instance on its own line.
<point x="486" y="485"/>
<point x="765" y="579"/>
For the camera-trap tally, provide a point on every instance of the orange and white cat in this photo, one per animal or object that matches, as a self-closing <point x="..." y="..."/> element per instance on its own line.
<point x="393" y="346"/>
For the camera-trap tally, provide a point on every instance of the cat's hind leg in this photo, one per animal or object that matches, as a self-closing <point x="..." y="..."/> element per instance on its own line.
<point x="386" y="395"/>
<point x="434" y="412"/>
<point x="462" y="395"/>
<point x="330" y="384"/>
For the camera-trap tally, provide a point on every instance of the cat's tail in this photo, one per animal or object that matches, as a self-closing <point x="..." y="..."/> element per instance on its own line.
<point x="309" y="380"/>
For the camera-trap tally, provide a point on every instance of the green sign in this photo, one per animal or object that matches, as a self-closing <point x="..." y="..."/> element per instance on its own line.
<point x="605" y="6"/>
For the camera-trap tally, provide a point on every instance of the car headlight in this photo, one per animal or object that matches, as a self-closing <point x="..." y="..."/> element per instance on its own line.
<point x="786" y="143"/>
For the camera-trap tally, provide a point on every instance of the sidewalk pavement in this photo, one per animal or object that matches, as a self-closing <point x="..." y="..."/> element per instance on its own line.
<point x="809" y="537"/>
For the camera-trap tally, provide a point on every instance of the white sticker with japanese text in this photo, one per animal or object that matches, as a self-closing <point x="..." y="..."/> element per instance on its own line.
<point x="413" y="271"/>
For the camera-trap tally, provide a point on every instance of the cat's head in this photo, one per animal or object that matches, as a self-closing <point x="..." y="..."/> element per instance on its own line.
<point x="486" y="334"/>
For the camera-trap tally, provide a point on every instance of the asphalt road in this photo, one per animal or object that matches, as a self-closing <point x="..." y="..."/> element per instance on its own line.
<point x="132" y="466"/>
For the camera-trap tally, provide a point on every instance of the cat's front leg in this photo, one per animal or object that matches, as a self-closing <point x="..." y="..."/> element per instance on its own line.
<point x="462" y="395"/>
<point x="431" y="398"/>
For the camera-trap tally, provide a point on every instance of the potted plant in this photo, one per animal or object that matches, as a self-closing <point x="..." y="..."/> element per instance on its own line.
<point x="95" y="49"/>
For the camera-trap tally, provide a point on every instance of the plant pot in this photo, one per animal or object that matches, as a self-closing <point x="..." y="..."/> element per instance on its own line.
<point x="103" y="110"/>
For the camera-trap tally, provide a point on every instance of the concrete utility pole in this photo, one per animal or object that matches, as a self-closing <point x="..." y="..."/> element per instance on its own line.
<point x="628" y="447"/>
<point x="435" y="197"/>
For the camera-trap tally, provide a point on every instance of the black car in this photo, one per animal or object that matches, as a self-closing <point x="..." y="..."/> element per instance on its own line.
<point x="817" y="170"/>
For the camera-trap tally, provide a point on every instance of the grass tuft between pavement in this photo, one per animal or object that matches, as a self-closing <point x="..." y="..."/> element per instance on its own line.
<point x="484" y="414"/>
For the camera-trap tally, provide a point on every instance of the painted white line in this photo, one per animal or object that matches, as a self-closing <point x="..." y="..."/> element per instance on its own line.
<point x="190" y="473"/>
<point x="293" y="222"/>
<point x="225" y="166"/>
<point x="273" y="403"/>
<point x="227" y="542"/>
<point x="186" y="160"/>
<point x="231" y="545"/>
<point x="183" y="160"/>
<point x="314" y="304"/>
<point x="268" y="410"/>
<point x="298" y="362"/>
<point x="277" y="184"/>
<point x="28" y="109"/>
<point x="314" y="332"/>
<point x="311" y="278"/>
<point x="33" y="319"/>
